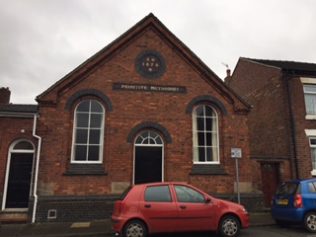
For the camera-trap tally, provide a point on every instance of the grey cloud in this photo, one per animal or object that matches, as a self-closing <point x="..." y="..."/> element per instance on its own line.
<point x="43" y="40"/>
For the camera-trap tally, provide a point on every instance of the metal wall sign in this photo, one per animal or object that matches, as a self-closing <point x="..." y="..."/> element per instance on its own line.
<point x="148" y="88"/>
<point x="236" y="152"/>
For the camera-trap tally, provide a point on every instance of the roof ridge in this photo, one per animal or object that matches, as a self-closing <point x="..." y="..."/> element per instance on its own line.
<point x="277" y="60"/>
<point x="296" y="67"/>
<point x="150" y="21"/>
<point x="98" y="53"/>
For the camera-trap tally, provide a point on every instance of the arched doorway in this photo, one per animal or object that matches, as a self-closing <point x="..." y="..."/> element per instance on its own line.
<point x="148" y="158"/>
<point x="18" y="175"/>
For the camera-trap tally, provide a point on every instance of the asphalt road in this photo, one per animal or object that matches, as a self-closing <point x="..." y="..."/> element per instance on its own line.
<point x="268" y="231"/>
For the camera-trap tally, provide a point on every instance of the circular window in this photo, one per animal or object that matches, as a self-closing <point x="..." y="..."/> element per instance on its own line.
<point x="150" y="64"/>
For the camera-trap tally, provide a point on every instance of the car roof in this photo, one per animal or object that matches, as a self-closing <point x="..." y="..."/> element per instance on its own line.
<point x="161" y="183"/>
<point x="301" y="180"/>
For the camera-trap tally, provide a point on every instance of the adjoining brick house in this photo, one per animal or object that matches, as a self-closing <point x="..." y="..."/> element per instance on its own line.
<point x="282" y="122"/>
<point x="143" y="109"/>
<point x="17" y="152"/>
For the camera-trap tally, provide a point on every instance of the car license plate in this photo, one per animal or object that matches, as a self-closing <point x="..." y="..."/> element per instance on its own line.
<point x="282" y="201"/>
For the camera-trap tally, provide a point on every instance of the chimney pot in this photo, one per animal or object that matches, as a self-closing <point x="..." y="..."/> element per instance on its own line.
<point x="228" y="77"/>
<point x="228" y="72"/>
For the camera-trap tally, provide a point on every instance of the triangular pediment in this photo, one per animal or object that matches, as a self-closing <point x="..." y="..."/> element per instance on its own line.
<point x="149" y="23"/>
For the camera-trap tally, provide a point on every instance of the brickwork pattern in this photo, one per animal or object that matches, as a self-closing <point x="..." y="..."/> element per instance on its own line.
<point x="300" y="124"/>
<point x="270" y="121"/>
<point x="131" y="108"/>
<point x="11" y="130"/>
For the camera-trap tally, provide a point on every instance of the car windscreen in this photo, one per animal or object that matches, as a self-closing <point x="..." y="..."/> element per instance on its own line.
<point x="287" y="189"/>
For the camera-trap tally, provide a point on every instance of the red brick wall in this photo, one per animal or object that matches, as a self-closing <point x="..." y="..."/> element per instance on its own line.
<point x="300" y="124"/>
<point x="10" y="131"/>
<point x="269" y="120"/>
<point x="264" y="88"/>
<point x="131" y="108"/>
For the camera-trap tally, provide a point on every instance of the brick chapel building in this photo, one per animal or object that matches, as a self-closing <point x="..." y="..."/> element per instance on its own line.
<point x="282" y="122"/>
<point x="143" y="109"/>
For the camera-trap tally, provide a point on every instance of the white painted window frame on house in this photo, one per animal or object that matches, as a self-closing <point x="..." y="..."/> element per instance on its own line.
<point x="311" y="134"/>
<point x="311" y="82"/>
<point x="89" y="113"/>
<point x="214" y="132"/>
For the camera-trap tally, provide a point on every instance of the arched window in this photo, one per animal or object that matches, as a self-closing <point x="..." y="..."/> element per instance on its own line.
<point x="88" y="132"/>
<point x="205" y="135"/>
<point x="22" y="146"/>
<point x="149" y="138"/>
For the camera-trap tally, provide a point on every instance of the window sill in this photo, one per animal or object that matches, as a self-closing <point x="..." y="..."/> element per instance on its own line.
<point x="310" y="117"/>
<point x="85" y="169"/>
<point x="207" y="169"/>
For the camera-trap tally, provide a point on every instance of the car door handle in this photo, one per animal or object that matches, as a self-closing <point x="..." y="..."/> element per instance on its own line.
<point x="147" y="206"/>
<point x="183" y="207"/>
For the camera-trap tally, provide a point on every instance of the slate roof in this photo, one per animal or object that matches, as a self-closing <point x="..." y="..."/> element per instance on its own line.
<point x="289" y="66"/>
<point x="18" y="110"/>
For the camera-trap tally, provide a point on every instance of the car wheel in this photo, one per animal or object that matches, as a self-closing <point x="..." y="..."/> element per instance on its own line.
<point x="135" y="228"/>
<point x="229" y="226"/>
<point x="310" y="222"/>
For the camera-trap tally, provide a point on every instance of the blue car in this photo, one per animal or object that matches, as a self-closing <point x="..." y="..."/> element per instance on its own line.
<point x="295" y="202"/>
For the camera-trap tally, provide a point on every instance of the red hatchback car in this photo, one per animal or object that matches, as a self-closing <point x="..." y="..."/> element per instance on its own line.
<point x="175" y="207"/>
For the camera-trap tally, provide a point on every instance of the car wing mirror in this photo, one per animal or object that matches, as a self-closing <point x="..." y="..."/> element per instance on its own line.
<point x="208" y="200"/>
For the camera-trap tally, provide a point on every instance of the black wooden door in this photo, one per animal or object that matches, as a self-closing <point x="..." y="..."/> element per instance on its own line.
<point x="19" y="181"/>
<point x="148" y="164"/>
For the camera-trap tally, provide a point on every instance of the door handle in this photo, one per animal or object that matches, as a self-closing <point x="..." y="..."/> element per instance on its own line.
<point x="147" y="206"/>
<point x="183" y="207"/>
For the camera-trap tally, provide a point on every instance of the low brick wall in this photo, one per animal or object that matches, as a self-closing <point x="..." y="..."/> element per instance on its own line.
<point x="253" y="202"/>
<point x="72" y="208"/>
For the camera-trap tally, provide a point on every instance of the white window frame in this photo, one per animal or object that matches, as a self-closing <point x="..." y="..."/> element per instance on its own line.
<point x="149" y="137"/>
<point x="313" y="147"/>
<point x="308" y="81"/>
<point x="195" y="132"/>
<point x="100" y="160"/>
<point x="311" y="134"/>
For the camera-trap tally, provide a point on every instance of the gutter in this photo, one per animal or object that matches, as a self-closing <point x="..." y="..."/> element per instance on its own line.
<point x="16" y="115"/>
<point x="294" y="163"/>
<point x="36" y="166"/>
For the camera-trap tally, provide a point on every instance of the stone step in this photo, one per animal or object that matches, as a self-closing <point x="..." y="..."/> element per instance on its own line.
<point x="14" y="217"/>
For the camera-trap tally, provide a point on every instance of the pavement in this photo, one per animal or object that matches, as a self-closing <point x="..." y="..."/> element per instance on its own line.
<point x="93" y="228"/>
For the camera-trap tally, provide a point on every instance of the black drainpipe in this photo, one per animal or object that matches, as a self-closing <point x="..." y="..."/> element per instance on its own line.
<point x="287" y="78"/>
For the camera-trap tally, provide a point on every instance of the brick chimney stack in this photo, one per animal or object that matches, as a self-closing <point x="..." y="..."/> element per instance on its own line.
<point x="228" y="77"/>
<point x="5" y="94"/>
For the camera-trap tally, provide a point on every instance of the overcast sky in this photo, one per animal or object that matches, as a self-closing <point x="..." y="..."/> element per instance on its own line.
<point x="43" y="40"/>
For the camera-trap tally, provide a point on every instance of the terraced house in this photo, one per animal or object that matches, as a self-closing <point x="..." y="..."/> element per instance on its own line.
<point x="143" y="109"/>
<point x="282" y="121"/>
